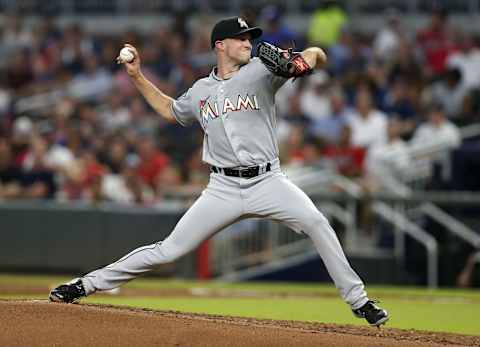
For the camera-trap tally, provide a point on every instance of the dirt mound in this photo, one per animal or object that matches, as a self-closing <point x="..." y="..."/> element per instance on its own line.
<point x="40" y="323"/>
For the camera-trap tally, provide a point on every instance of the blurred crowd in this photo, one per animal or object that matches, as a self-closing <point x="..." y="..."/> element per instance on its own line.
<point x="74" y="128"/>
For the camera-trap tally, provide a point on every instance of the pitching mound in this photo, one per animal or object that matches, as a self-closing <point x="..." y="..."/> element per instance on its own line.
<point x="40" y="323"/>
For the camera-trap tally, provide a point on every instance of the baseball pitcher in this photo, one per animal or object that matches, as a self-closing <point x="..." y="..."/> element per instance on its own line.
<point x="235" y="106"/>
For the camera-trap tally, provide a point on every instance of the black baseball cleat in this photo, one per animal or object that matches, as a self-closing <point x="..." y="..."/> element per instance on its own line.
<point x="374" y="314"/>
<point x="69" y="292"/>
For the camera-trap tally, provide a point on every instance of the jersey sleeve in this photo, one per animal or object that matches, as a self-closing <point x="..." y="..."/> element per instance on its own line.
<point x="277" y="81"/>
<point x="273" y="80"/>
<point x="182" y="109"/>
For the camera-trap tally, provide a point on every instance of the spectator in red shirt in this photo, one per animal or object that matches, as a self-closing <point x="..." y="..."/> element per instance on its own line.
<point x="152" y="161"/>
<point x="292" y="148"/>
<point x="90" y="173"/>
<point x="435" y="41"/>
<point x="347" y="158"/>
<point x="22" y="133"/>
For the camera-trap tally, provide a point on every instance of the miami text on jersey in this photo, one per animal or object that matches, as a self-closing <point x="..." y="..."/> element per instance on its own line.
<point x="211" y="110"/>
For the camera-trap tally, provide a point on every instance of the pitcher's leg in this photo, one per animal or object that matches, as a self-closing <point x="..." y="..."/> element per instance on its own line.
<point x="198" y="224"/>
<point x="279" y="199"/>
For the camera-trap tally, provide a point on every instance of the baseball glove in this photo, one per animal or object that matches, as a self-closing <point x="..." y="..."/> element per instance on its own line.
<point x="280" y="62"/>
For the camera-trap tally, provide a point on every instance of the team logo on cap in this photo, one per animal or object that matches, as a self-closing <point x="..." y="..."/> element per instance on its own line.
<point x="242" y="23"/>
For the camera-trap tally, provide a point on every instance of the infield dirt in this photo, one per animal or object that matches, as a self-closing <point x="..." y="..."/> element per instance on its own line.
<point x="41" y="323"/>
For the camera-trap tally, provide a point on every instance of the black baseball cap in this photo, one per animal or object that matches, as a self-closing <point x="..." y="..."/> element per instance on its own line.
<point x="231" y="27"/>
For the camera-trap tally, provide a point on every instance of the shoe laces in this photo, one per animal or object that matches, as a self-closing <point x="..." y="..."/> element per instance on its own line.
<point x="373" y="305"/>
<point x="370" y="304"/>
<point x="74" y="289"/>
<point x="79" y="288"/>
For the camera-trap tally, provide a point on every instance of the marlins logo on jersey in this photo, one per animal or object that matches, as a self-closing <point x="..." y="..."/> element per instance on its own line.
<point x="211" y="109"/>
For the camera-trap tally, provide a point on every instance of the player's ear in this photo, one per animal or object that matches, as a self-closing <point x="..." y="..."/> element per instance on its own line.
<point x="220" y="45"/>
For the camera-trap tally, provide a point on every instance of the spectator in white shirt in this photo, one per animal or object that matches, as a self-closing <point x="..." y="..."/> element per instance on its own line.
<point x="435" y="138"/>
<point x="387" y="40"/>
<point x="450" y="92"/>
<point x="390" y="158"/>
<point x="437" y="131"/>
<point x="467" y="60"/>
<point x="314" y="99"/>
<point x="369" y="125"/>
<point x="385" y="163"/>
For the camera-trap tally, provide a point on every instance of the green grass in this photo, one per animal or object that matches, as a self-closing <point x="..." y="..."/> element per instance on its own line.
<point x="438" y="316"/>
<point x="265" y="287"/>
<point x="447" y="310"/>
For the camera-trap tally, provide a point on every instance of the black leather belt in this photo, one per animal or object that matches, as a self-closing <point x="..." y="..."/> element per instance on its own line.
<point x="248" y="172"/>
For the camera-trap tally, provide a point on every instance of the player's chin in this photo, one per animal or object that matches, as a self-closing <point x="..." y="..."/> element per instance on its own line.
<point x="244" y="59"/>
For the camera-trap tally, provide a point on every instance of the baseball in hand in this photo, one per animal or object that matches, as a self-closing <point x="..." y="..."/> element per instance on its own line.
<point x="126" y="55"/>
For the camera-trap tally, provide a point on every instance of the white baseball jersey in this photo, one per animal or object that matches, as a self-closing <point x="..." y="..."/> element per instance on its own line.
<point x="237" y="115"/>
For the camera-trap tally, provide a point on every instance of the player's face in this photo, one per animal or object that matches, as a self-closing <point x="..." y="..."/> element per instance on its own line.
<point x="239" y="48"/>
